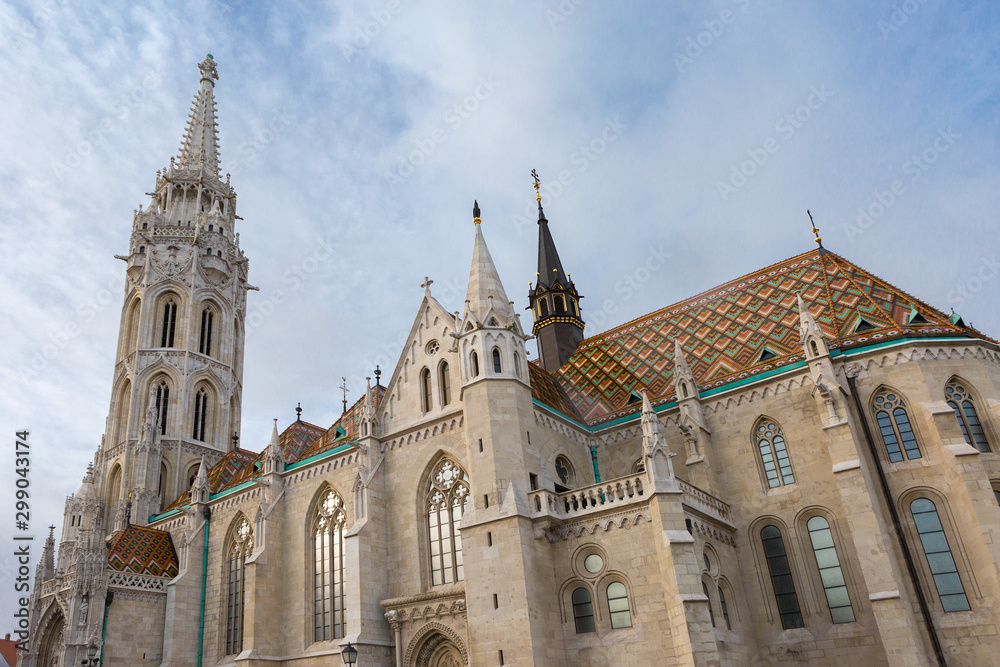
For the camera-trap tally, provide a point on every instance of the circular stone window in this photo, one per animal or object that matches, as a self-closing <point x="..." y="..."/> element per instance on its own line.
<point x="432" y="347"/>
<point x="593" y="563"/>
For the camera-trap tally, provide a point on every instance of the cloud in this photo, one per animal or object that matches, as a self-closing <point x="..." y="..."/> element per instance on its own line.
<point x="107" y="87"/>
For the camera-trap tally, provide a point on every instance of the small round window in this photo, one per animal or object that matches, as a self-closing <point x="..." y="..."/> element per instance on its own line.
<point x="593" y="563"/>
<point x="432" y="347"/>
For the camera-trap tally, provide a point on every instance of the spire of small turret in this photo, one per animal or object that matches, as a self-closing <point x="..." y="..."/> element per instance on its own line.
<point x="274" y="457"/>
<point x="685" y="383"/>
<point x="201" y="491"/>
<point x="550" y="269"/>
<point x="201" y="145"/>
<point x="485" y="289"/>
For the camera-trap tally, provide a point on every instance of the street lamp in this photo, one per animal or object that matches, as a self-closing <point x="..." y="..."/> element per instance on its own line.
<point x="92" y="659"/>
<point x="349" y="654"/>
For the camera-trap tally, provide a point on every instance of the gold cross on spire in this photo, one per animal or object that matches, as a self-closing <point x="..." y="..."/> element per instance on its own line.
<point x="538" y="184"/>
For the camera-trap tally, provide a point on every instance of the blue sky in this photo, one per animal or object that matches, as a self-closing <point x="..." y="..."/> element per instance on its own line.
<point x="358" y="135"/>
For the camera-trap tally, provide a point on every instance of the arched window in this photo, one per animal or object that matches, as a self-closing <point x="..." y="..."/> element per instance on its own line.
<point x="497" y="366"/>
<point x="725" y="608"/>
<point x="240" y="547"/>
<point x="711" y="612"/>
<point x="474" y="359"/>
<point x="621" y="616"/>
<point x="205" y="341"/>
<point x="328" y="576"/>
<point x="517" y="364"/>
<point x="132" y="328"/>
<point x="583" y="611"/>
<point x="781" y="578"/>
<point x="425" y="390"/>
<point x="200" y="414"/>
<point x="894" y="425"/>
<point x="565" y="473"/>
<point x="193" y="474"/>
<point x="939" y="559"/>
<point x="115" y="486"/>
<point x="560" y="304"/>
<point x="773" y="454"/>
<point x="447" y="494"/>
<point x="445" y="384"/>
<point x="830" y="571"/>
<point x="960" y="400"/>
<point x="163" y="404"/>
<point x="169" y="322"/>
<point x="543" y="307"/>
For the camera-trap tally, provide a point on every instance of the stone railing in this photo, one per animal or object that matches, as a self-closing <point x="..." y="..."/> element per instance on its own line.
<point x="614" y="493"/>
<point x="138" y="582"/>
<point x="705" y="503"/>
<point x="618" y="493"/>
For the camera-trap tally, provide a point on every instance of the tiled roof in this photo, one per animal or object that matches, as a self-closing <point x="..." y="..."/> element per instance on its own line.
<point x="545" y="389"/>
<point x="726" y="331"/>
<point x="142" y="550"/>
<point x="299" y="441"/>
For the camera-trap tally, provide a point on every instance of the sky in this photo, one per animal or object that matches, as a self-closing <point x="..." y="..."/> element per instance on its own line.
<point x="679" y="146"/>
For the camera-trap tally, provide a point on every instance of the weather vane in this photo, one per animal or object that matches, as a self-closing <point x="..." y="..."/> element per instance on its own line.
<point x="538" y="184"/>
<point x="343" y="388"/>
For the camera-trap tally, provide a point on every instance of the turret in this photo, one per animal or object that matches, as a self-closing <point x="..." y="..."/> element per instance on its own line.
<point x="553" y="300"/>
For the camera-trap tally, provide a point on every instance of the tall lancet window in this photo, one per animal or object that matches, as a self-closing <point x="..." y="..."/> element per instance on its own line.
<point x="960" y="400"/>
<point x="497" y="366"/>
<point x="240" y="547"/>
<point x="447" y="494"/>
<point x="445" y="384"/>
<point x="200" y="414"/>
<point x="169" y="324"/>
<point x="773" y="454"/>
<point x="426" y="395"/>
<point x="163" y="404"/>
<point x="205" y="342"/>
<point x="894" y="425"/>
<point x="328" y="575"/>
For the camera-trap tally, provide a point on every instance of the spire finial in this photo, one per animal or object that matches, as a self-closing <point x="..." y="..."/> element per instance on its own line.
<point x="476" y="219"/>
<point x="538" y="194"/>
<point x="818" y="238"/>
<point x="343" y="388"/>
<point x="378" y="376"/>
<point x="298" y="413"/>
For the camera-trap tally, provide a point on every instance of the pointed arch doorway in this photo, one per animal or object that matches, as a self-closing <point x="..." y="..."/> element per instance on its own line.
<point x="439" y="651"/>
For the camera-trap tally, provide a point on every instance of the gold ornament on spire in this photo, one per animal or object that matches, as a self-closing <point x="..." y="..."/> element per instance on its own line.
<point x="476" y="219"/>
<point x="538" y="184"/>
<point x="818" y="238"/>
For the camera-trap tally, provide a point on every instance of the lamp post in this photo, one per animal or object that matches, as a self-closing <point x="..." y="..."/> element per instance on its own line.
<point x="92" y="659"/>
<point x="349" y="654"/>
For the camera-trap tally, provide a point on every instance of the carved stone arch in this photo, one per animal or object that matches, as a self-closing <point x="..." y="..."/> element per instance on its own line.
<point x="211" y="296"/>
<point x="312" y="508"/>
<point x="428" y="641"/>
<point x="51" y="640"/>
<point x="115" y="476"/>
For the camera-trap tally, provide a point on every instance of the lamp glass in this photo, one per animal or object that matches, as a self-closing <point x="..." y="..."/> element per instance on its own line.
<point x="92" y="650"/>
<point x="350" y="654"/>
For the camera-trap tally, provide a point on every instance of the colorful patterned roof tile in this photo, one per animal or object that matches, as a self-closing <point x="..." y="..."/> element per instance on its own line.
<point x="545" y="389"/>
<point x="142" y="550"/>
<point x="741" y="328"/>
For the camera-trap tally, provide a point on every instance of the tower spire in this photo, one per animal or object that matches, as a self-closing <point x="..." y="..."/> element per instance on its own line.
<point x="553" y="299"/>
<point x="200" y="148"/>
<point x="485" y="290"/>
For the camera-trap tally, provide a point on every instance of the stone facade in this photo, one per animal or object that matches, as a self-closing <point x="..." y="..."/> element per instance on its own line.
<point x="468" y="513"/>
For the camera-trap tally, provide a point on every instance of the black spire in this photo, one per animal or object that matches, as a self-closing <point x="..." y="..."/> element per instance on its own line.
<point x="553" y="299"/>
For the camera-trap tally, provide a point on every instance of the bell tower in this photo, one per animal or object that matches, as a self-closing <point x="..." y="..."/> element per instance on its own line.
<point x="553" y="300"/>
<point x="178" y="376"/>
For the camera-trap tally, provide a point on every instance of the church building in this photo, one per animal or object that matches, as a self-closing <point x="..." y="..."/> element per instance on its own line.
<point x="799" y="466"/>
